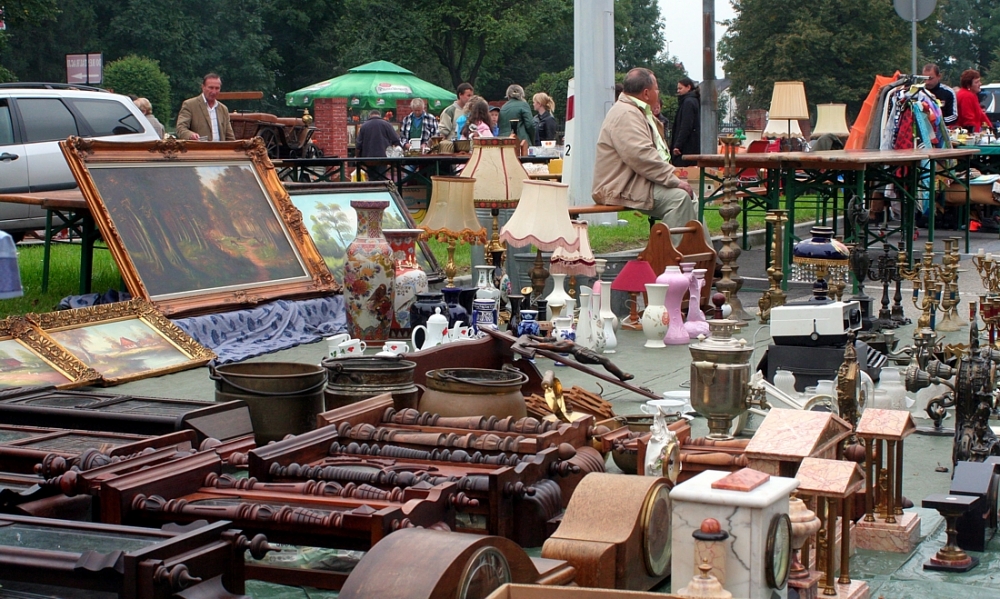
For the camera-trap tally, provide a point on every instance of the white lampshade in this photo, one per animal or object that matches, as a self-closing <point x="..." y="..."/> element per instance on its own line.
<point x="788" y="101"/>
<point x="580" y="262"/>
<point x="782" y="128"/>
<point x="542" y="218"/>
<point x="831" y="118"/>
<point x="498" y="173"/>
<point x="450" y="212"/>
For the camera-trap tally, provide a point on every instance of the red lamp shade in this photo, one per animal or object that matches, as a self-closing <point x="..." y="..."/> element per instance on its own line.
<point x="634" y="276"/>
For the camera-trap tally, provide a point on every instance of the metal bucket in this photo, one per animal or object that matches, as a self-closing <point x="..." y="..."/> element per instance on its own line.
<point x="353" y="379"/>
<point x="284" y="397"/>
<point x="474" y="392"/>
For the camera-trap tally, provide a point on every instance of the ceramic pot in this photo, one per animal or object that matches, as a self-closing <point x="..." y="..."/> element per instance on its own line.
<point x="457" y="314"/>
<point x="474" y="392"/>
<point x="435" y="332"/>
<point x="677" y="286"/>
<point x="528" y="324"/>
<point x="562" y="328"/>
<point x="695" y="324"/>
<point x="369" y="274"/>
<point x="484" y="314"/>
<point x="655" y="319"/>
<point x="410" y="278"/>
<point x="558" y="294"/>
<point x="422" y="309"/>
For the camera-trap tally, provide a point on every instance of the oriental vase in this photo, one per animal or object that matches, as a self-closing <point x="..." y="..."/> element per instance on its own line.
<point x="369" y="275"/>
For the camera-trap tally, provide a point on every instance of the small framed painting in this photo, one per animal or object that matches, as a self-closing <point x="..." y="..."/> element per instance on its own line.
<point x="197" y="227"/>
<point x="123" y="342"/>
<point x="29" y="357"/>
<point x="332" y="223"/>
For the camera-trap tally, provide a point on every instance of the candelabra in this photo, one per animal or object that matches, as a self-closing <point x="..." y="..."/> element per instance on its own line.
<point x="886" y="271"/>
<point x="950" y="297"/>
<point x="860" y="264"/>
<point x="926" y="277"/>
<point x="989" y="271"/>
<point x="774" y="296"/>
<point x="731" y="282"/>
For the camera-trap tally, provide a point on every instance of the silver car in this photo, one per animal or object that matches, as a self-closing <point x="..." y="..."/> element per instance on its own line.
<point x="33" y="119"/>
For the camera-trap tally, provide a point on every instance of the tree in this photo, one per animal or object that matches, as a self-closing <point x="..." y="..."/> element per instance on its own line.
<point x="18" y="15"/>
<point x="142" y="77"/>
<point x="638" y="33"/>
<point x="969" y="33"/>
<point x="835" y="46"/>
<point x="555" y="85"/>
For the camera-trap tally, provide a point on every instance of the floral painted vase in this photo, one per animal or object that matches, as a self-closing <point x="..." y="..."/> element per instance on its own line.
<point x="369" y="275"/>
<point x="529" y="323"/>
<point x="655" y="319"/>
<point x="410" y="278"/>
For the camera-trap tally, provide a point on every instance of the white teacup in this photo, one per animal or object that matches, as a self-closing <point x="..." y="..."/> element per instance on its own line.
<point x="395" y="348"/>
<point x="458" y="333"/>
<point x="353" y="347"/>
<point x="333" y="344"/>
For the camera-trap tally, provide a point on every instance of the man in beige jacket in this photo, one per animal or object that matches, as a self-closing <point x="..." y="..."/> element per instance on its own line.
<point x="204" y="117"/>
<point x="633" y="168"/>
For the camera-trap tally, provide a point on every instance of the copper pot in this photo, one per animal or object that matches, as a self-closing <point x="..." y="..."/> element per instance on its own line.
<point x="474" y="392"/>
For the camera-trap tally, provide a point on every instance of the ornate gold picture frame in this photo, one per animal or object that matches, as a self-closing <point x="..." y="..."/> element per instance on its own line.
<point x="124" y="341"/>
<point x="29" y="357"/>
<point x="198" y="227"/>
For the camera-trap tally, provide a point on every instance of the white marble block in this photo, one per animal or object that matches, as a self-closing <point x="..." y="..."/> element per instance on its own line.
<point x="746" y="516"/>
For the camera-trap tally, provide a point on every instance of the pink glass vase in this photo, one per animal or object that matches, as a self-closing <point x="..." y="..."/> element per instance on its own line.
<point x="677" y="286"/>
<point x="369" y="274"/>
<point x="696" y="323"/>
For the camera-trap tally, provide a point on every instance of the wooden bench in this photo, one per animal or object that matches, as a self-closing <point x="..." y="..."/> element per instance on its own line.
<point x="661" y="252"/>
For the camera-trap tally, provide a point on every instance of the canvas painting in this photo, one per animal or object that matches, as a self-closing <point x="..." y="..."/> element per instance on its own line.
<point x="20" y="367"/>
<point x="332" y="223"/>
<point x="197" y="227"/>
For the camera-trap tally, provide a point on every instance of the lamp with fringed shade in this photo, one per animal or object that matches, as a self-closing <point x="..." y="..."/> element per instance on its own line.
<point x="831" y="118"/>
<point x="575" y="262"/>
<point x="499" y="179"/>
<point x="782" y="128"/>
<point x="788" y="104"/>
<point x="632" y="280"/>
<point x="451" y="216"/>
<point x="541" y="219"/>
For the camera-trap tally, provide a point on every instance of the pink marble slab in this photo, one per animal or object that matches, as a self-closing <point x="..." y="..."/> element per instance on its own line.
<point x="796" y="434"/>
<point x="744" y="480"/>
<point x="893" y="425"/>
<point x="901" y="537"/>
<point x="829" y="478"/>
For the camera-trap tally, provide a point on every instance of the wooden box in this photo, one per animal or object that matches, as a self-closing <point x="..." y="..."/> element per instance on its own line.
<point x="978" y="194"/>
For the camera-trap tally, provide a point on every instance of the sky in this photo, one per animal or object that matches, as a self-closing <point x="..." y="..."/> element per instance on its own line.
<point x="682" y="30"/>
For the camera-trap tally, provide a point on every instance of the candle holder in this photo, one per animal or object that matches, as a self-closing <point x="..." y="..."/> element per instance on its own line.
<point x="925" y="278"/>
<point x="950" y="297"/>
<point x="988" y="268"/>
<point x="731" y="282"/>
<point x="774" y="296"/>
<point x="886" y="271"/>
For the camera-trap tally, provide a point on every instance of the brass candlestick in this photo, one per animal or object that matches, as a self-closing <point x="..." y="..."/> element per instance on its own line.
<point x="774" y="296"/>
<point x="926" y="277"/>
<point x="950" y="298"/>
<point x="988" y="268"/>
<point x="731" y="282"/>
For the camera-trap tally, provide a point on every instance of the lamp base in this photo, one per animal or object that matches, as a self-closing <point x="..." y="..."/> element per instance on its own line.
<point x="538" y="275"/>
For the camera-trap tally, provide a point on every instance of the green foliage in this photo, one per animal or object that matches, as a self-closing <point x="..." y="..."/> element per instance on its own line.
<point x="64" y="277"/>
<point x="835" y="46"/>
<point x="19" y="15"/>
<point x="968" y="35"/>
<point x="142" y="77"/>
<point x="638" y="33"/>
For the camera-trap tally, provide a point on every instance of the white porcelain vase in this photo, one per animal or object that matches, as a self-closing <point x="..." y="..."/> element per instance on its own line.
<point x="655" y="320"/>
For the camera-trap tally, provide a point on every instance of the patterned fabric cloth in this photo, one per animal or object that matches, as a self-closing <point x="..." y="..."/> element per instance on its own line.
<point x="428" y="129"/>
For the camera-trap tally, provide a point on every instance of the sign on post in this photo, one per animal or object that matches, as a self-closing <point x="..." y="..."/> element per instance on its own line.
<point x="913" y="11"/>
<point x="85" y="69"/>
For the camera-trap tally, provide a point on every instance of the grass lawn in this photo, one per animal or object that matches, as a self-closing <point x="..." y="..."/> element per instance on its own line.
<point x="64" y="277"/>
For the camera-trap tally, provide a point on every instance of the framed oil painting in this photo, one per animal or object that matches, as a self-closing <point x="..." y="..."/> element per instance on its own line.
<point x="29" y="357"/>
<point x="123" y="341"/>
<point x="332" y="223"/>
<point x="198" y="227"/>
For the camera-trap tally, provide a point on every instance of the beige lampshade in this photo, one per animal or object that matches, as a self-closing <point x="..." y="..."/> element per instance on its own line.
<point x="782" y="128"/>
<point x="498" y="173"/>
<point x="451" y="212"/>
<point x="831" y="118"/>
<point x="580" y="262"/>
<point x="542" y="218"/>
<point x="788" y="101"/>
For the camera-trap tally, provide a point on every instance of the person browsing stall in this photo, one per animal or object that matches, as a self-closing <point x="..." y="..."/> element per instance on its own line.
<point x="494" y="120"/>
<point x="203" y="117"/>
<point x="454" y="116"/>
<point x="970" y="113"/>
<point x="419" y="124"/>
<point x="478" y="124"/>
<point x="632" y="167"/>
<point x="685" y="135"/>
<point x="944" y="94"/>
<point x="545" y="123"/>
<point x="516" y="109"/>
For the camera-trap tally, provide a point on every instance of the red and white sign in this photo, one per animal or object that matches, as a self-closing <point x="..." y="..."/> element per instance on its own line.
<point x="85" y="69"/>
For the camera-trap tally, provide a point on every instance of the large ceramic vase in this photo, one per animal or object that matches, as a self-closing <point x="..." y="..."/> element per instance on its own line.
<point x="410" y="278"/>
<point x="369" y="275"/>
<point x="457" y="314"/>
<point x="484" y="288"/>
<point x="558" y="295"/>
<point x="677" y="285"/>
<point x="584" y="323"/>
<point x="655" y="319"/>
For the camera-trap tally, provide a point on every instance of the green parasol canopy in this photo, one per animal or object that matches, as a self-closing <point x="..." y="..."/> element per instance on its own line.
<point x="374" y="85"/>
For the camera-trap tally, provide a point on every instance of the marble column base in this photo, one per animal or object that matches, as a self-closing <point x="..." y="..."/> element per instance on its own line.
<point x="807" y="587"/>
<point x="901" y="537"/>
<point x="858" y="589"/>
<point x="836" y="544"/>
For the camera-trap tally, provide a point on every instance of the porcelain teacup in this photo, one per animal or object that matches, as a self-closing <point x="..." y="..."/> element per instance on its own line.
<point x="395" y="348"/>
<point x="333" y="344"/>
<point x="353" y="347"/>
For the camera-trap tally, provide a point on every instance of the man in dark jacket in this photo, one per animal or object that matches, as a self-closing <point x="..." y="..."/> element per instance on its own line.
<point x="944" y="94"/>
<point x="686" y="132"/>
<point x="374" y="137"/>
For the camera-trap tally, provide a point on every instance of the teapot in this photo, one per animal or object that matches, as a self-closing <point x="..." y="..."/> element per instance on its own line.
<point x="435" y="332"/>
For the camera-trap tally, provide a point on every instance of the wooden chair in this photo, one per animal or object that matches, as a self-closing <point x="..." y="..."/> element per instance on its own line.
<point x="661" y="252"/>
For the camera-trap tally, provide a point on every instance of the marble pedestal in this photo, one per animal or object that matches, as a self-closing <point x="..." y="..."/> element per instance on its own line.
<point x="746" y="516"/>
<point x="858" y="589"/>
<point x="808" y="587"/>
<point x="901" y="537"/>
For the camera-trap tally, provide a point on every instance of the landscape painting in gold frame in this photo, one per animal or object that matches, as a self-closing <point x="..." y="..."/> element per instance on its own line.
<point x="198" y="227"/>
<point x="124" y="341"/>
<point x="29" y="357"/>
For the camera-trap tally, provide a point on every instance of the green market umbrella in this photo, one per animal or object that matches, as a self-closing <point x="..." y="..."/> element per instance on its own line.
<point x="374" y="85"/>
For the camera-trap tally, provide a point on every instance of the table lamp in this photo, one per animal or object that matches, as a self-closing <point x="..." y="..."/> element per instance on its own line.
<point x="819" y="258"/>
<point x="10" y="275"/>
<point x="632" y="280"/>
<point x="451" y="216"/>
<point x="831" y="118"/>
<point x="788" y="103"/>
<point x="541" y="219"/>
<point x="580" y="262"/>
<point x="499" y="179"/>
